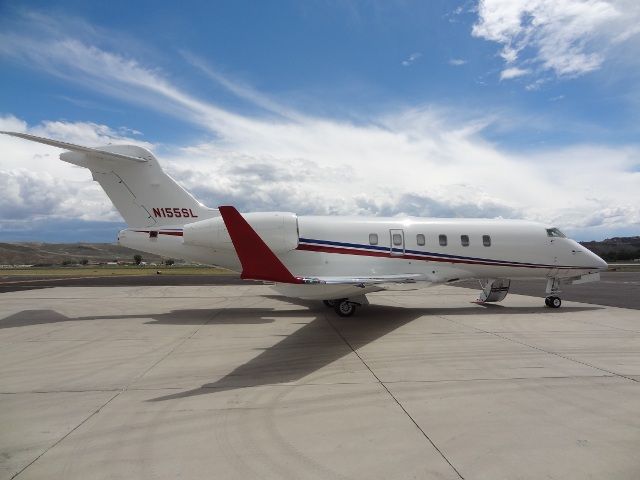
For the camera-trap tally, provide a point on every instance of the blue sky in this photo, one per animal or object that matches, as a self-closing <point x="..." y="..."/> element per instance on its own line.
<point x="492" y="108"/>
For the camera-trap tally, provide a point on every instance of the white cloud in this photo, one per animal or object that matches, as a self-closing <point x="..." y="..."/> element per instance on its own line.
<point x="411" y="59"/>
<point x="241" y="89"/>
<point x="34" y="183"/>
<point x="513" y="72"/>
<point x="422" y="161"/>
<point x="457" y="62"/>
<point x="568" y="38"/>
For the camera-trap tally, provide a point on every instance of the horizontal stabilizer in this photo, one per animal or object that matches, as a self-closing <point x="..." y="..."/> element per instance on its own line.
<point x="95" y="152"/>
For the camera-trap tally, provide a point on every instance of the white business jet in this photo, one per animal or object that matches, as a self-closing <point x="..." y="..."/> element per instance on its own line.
<point x="335" y="259"/>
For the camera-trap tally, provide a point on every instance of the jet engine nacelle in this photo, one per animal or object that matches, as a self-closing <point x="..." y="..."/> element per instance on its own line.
<point x="279" y="230"/>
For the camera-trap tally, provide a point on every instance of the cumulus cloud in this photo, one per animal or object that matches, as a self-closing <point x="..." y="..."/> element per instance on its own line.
<point x="567" y="38"/>
<point x="419" y="161"/>
<point x="512" y="72"/>
<point x="28" y="195"/>
<point x="457" y="62"/>
<point x="35" y="184"/>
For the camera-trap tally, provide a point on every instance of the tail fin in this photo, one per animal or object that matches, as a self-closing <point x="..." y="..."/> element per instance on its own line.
<point x="132" y="178"/>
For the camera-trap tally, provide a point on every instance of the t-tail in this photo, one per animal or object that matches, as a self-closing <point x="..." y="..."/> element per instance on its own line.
<point x="131" y="176"/>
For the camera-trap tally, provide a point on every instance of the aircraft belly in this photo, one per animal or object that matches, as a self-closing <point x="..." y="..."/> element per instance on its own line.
<point x="322" y="292"/>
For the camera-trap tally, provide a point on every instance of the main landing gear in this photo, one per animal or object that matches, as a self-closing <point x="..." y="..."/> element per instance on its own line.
<point x="552" y="301"/>
<point x="346" y="307"/>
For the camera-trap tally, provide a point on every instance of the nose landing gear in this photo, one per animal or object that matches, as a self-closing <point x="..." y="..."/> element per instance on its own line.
<point x="553" y="289"/>
<point x="552" y="301"/>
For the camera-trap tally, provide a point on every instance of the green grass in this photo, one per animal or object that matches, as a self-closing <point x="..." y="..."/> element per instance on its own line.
<point x="108" y="270"/>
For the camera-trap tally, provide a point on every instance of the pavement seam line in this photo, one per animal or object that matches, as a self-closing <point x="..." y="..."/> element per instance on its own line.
<point x="424" y="434"/>
<point x="179" y="344"/>
<point x="542" y="350"/>
<point x="124" y="389"/>
<point x="57" y="442"/>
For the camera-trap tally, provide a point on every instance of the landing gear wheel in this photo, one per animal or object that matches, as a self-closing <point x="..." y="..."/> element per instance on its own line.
<point x="329" y="303"/>
<point x="553" y="302"/>
<point x="344" y="308"/>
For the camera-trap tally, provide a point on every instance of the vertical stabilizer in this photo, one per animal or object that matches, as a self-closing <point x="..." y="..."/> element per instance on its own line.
<point x="131" y="176"/>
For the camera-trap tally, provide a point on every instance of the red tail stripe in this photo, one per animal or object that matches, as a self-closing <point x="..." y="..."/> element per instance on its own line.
<point x="257" y="259"/>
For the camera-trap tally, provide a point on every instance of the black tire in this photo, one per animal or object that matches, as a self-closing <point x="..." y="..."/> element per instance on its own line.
<point x="344" y="308"/>
<point x="329" y="303"/>
<point x="547" y="302"/>
<point x="555" y="302"/>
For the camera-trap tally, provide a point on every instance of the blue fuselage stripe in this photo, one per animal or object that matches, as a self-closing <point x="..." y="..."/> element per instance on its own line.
<point x="420" y="253"/>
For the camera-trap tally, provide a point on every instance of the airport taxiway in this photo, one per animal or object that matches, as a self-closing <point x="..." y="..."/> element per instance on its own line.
<point x="234" y="382"/>
<point x="616" y="289"/>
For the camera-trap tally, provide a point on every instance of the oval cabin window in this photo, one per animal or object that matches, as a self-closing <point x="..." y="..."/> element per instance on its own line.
<point x="397" y="239"/>
<point x="486" y="240"/>
<point x="373" y="239"/>
<point x="443" y="240"/>
<point x="464" y="240"/>
<point x="420" y="239"/>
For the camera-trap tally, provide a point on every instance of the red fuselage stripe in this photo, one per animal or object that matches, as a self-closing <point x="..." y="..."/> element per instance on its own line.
<point x="369" y="253"/>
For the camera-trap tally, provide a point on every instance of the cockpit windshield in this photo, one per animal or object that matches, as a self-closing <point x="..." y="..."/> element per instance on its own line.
<point x="554" y="232"/>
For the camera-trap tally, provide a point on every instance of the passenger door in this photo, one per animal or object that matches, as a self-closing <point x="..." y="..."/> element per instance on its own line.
<point x="396" y="237"/>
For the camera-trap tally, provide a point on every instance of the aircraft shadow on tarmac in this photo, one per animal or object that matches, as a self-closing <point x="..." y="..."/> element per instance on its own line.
<point x="327" y="338"/>
<point x="322" y="339"/>
<point x="207" y="316"/>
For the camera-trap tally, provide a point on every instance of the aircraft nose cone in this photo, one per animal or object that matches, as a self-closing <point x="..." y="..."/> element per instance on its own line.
<point x="598" y="262"/>
<point x="602" y="265"/>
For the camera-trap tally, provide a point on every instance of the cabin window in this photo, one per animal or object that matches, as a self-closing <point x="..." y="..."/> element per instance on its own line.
<point x="397" y="239"/>
<point x="373" y="239"/>
<point x="443" y="240"/>
<point x="486" y="240"/>
<point x="464" y="240"/>
<point x="554" y="232"/>
<point x="153" y="234"/>
<point x="420" y="239"/>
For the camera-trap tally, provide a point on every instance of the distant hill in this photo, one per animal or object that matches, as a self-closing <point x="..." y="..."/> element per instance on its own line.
<point x="616" y="249"/>
<point x="59" y="253"/>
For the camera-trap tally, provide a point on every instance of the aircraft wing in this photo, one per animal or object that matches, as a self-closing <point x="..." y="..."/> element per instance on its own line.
<point x="366" y="281"/>
<point x="95" y="152"/>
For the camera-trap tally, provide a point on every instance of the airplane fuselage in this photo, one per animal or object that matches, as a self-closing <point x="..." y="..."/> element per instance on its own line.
<point x="439" y="250"/>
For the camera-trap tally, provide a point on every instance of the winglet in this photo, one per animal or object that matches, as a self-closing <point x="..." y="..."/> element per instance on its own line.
<point x="257" y="259"/>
